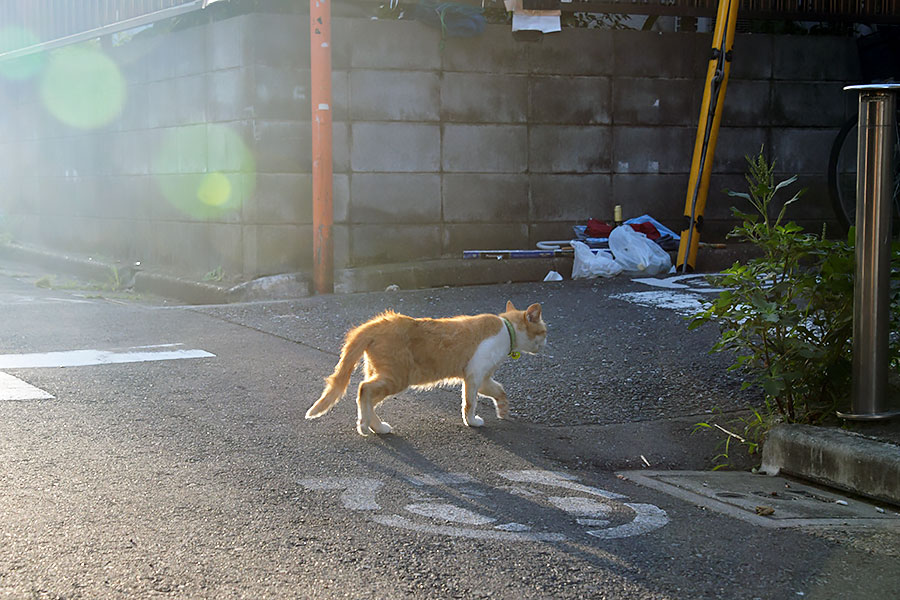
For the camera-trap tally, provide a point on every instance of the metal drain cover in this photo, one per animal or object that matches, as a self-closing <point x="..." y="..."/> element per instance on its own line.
<point x="766" y="501"/>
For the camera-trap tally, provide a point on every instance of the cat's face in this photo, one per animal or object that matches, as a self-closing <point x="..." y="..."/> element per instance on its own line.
<point x="535" y="330"/>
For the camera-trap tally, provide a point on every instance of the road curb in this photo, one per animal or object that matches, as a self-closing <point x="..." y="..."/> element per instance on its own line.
<point x="836" y="458"/>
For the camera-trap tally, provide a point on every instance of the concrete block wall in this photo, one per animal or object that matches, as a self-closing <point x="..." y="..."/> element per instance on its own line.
<point x="489" y="143"/>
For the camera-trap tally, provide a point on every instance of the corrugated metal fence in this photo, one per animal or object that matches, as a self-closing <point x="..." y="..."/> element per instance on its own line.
<point x="27" y="22"/>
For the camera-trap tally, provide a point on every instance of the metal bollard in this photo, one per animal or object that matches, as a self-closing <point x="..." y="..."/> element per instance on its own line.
<point x="871" y="293"/>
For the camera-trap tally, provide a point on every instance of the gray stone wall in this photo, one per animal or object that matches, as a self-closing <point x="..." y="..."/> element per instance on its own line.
<point x="490" y="143"/>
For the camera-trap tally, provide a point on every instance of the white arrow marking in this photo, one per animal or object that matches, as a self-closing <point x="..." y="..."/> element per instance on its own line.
<point x="647" y="518"/>
<point x="449" y="513"/>
<point x="13" y="388"/>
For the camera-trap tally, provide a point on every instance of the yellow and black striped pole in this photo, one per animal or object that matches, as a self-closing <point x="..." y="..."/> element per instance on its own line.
<point x="707" y="132"/>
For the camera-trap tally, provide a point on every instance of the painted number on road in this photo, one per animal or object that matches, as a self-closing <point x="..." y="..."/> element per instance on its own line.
<point x="519" y="508"/>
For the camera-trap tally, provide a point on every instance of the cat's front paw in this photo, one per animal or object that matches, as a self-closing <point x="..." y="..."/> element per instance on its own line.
<point x="475" y="421"/>
<point x="362" y="429"/>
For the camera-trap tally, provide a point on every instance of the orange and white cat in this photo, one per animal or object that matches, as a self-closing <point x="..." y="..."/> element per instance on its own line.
<point x="404" y="352"/>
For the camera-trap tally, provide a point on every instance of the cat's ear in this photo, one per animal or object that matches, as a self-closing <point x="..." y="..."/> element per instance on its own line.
<point x="509" y="306"/>
<point x="533" y="314"/>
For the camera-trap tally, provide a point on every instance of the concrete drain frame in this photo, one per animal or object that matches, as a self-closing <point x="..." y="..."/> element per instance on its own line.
<point x="768" y="501"/>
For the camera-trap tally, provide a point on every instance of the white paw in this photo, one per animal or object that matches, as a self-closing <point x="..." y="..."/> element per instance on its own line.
<point x="382" y="428"/>
<point x="475" y="421"/>
<point x="362" y="429"/>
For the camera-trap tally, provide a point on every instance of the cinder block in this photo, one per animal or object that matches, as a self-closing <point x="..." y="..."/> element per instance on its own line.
<point x="473" y="198"/>
<point x="374" y="244"/>
<point x="229" y="147"/>
<point x="281" y="93"/>
<point x="484" y="98"/>
<point x="226" y="45"/>
<point x="818" y="104"/>
<point x="283" y="248"/>
<point x="656" y="101"/>
<point x="225" y="248"/>
<point x="571" y="198"/>
<point x="395" y="147"/>
<point x="816" y="58"/>
<point x="659" y="195"/>
<point x="747" y="103"/>
<point x="667" y="55"/>
<point x="283" y="198"/>
<point x="278" y="39"/>
<point x="340" y="199"/>
<point x="192" y="149"/>
<point x="191" y="98"/>
<point x="230" y="94"/>
<point x="752" y="56"/>
<point x="395" y="198"/>
<point x="576" y="51"/>
<point x="496" y="51"/>
<point x="653" y="149"/>
<point x="408" y="44"/>
<point x="282" y="146"/>
<point x="163" y="96"/>
<point x="341" y="147"/>
<point x="136" y="109"/>
<point x="340" y="95"/>
<point x="485" y="148"/>
<point x="394" y="95"/>
<point x="341" y="240"/>
<point x="569" y="149"/>
<point x="802" y="151"/>
<point x="484" y="236"/>
<point x="190" y="47"/>
<point x="573" y="100"/>
<point x="733" y="146"/>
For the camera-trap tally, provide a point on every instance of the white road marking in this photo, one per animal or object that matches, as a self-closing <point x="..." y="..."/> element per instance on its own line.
<point x="13" y="388"/>
<point x="647" y="518"/>
<point x="81" y="358"/>
<point x="556" y="479"/>
<point x="578" y="505"/>
<point x="684" y="303"/>
<point x="479" y="534"/>
<point x="449" y="513"/>
<point x="359" y="492"/>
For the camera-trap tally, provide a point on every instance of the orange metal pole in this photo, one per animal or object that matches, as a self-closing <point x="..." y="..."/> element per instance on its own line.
<point x="320" y="95"/>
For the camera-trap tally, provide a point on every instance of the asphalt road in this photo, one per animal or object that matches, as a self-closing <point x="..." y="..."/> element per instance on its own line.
<point x="155" y="472"/>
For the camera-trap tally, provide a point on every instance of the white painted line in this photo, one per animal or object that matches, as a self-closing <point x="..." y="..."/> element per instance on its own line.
<point x="557" y="479"/>
<point x="478" y="534"/>
<point x="438" y="479"/>
<point x="82" y="358"/>
<point x="685" y="303"/>
<point x="359" y="492"/>
<point x="13" y="388"/>
<point x="577" y="505"/>
<point x="647" y="518"/>
<point x="449" y="513"/>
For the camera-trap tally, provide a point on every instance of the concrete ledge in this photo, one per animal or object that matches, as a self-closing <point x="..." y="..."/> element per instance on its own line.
<point x="835" y="458"/>
<point x="448" y="271"/>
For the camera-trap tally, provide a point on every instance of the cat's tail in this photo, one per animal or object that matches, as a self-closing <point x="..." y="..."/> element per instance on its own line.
<point x="336" y="383"/>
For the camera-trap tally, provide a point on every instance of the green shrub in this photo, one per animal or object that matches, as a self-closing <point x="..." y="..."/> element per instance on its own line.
<point x="788" y="315"/>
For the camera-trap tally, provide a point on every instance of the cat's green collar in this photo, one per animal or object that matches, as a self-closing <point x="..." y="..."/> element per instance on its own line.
<point x="513" y="353"/>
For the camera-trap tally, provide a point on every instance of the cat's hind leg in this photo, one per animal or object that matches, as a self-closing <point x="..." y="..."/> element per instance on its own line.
<point x="371" y="393"/>
<point x="469" y="404"/>
<point x="494" y="390"/>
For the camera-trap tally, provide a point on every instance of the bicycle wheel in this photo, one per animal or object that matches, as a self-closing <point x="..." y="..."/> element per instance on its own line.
<point x="842" y="175"/>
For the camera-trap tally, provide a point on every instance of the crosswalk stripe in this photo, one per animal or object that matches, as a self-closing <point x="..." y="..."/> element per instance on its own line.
<point x="81" y="358"/>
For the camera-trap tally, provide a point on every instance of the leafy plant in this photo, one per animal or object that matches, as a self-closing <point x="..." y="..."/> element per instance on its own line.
<point x="788" y="314"/>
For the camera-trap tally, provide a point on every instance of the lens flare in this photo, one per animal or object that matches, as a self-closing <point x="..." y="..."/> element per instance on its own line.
<point x="14" y="38"/>
<point x="83" y="87"/>
<point x="206" y="172"/>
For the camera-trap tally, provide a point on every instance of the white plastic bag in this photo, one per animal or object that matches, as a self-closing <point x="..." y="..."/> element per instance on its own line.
<point x="636" y="253"/>
<point x="588" y="265"/>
